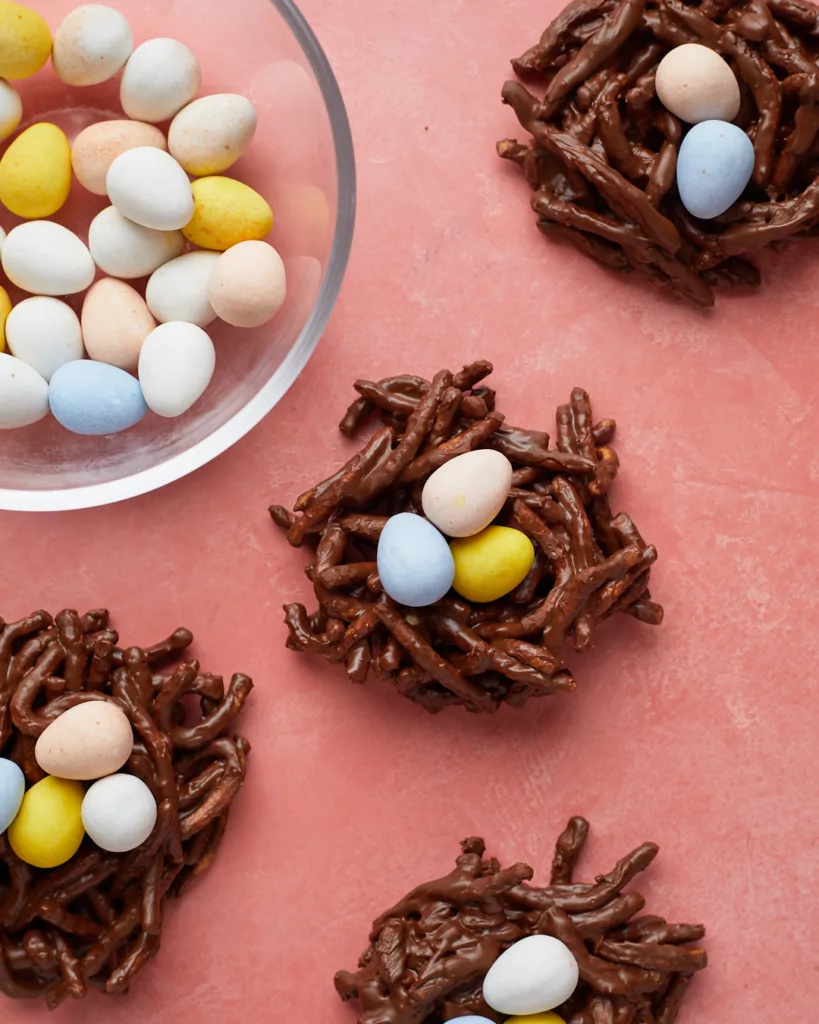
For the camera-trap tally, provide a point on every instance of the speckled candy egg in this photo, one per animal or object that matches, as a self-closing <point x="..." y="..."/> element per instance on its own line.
<point x="11" y="109"/>
<point x="48" y="830"/>
<point x="119" y="813"/>
<point x="210" y="134"/>
<point x="88" y="397"/>
<point x="161" y="77"/>
<point x="696" y="84"/>
<point x="25" y="41"/>
<point x="45" y="333"/>
<point x="175" y="367"/>
<point x="91" y="45"/>
<point x="248" y="284"/>
<point x="124" y="249"/>
<point x="491" y="563"/>
<point x="179" y="289"/>
<point x="226" y="212"/>
<point x="46" y="259"/>
<point x="12" y="790"/>
<point x="464" y="495"/>
<point x="115" y="323"/>
<point x="150" y="188"/>
<point x="414" y="563"/>
<point x="23" y="394"/>
<point x="35" y="172"/>
<point x="97" y="147"/>
<point x="85" y="742"/>
<point x="533" y="975"/>
<point x="715" y="163"/>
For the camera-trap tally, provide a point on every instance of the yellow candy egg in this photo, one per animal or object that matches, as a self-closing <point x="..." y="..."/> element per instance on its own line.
<point x="5" y="309"/>
<point x="48" y="829"/>
<point x="25" y="41"/>
<point x="35" y="172"/>
<point x="491" y="563"/>
<point x="225" y="213"/>
<point x="537" y="1018"/>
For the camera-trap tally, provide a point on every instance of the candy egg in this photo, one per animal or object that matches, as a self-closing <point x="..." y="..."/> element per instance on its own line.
<point x="248" y="284"/>
<point x="35" y="172"/>
<point x="5" y="309"/>
<point x="714" y="165"/>
<point x="23" y="394"/>
<point x="46" y="259"/>
<point x="179" y="289"/>
<point x="226" y="212"/>
<point x="464" y="495"/>
<point x="175" y="367"/>
<point x="115" y="323"/>
<point x="91" y="45"/>
<point x="88" y="397"/>
<point x="491" y="563"/>
<point x="12" y="790"/>
<point x="122" y="248"/>
<point x="160" y="78"/>
<point x="11" y="109"/>
<point x="97" y="147"/>
<point x="119" y="813"/>
<point x="25" y="41"/>
<point x="533" y="975"/>
<point x="149" y="187"/>
<point x="414" y="563"/>
<point x="474" y="1020"/>
<point x="45" y="333"/>
<point x="536" y="1018"/>
<point x="85" y="742"/>
<point x="210" y="134"/>
<point x="696" y="84"/>
<point x="48" y="830"/>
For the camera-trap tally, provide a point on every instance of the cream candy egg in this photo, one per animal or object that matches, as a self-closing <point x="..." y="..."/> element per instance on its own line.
<point x="86" y="742"/>
<point x="210" y="134"/>
<point x="175" y="367"/>
<point x="248" y="284"/>
<point x="534" y="974"/>
<point x="115" y="323"/>
<point x="696" y="84"/>
<point x="97" y="146"/>
<point x="161" y="77"/>
<point x="46" y="259"/>
<point x="465" y="494"/>
<point x="23" y="393"/>
<point x="91" y="45"/>
<point x="122" y="248"/>
<point x="119" y="813"/>
<point x="150" y="188"/>
<point x="11" y="109"/>
<point x="45" y="333"/>
<point x="179" y="289"/>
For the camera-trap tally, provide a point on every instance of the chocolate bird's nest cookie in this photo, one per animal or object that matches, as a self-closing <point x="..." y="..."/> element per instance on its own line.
<point x="602" y="157"/>
<point x="96" y="921"/>
<point x="428" y="954"/>
<point x="590" y="564"/>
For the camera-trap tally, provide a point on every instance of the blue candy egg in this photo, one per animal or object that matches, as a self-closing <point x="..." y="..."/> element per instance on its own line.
<point x="12" y="789"/>
<point x="88" y="397"/>
<point x="414" y="561"/>
<point x="714" y="165"/>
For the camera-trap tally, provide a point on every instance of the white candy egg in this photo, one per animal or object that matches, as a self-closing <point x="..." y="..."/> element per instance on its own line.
<point x="179" y="289"/>
<point x="176" y="364"/>
<point x="696" y="84"/>
<point x="532" y="976"/>
<point x="11" y="109"/>
<point x="161" y="77"/>
<point x="23" y="393"/>
<point x="122" y="248"/>
<point x="210" y="134"/>
<point x="91" y="45"/>
<point x="45" y="333"/>
<point x="119" y="813"/>
<point x="46" y="259"/>
<point x="150" y="188"/>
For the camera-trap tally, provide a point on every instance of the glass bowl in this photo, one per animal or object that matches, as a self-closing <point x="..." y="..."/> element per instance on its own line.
<point x="301" y="161"/>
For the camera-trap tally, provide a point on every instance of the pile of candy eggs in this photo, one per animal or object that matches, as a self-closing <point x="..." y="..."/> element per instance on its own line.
<point x="47" y="823"/>
<point x="200" y="243"/>
<point x="416" y="564"/>
<point x="716" y="158"/>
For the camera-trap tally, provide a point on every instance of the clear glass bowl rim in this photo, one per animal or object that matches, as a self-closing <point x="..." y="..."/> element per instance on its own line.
<point x="52" y="500"/>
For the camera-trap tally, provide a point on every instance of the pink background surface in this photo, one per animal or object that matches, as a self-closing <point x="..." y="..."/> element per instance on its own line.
<point x="699" y="735"/>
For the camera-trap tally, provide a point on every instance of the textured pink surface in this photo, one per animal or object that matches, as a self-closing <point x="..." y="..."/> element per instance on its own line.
<point x="699" y="735"/>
